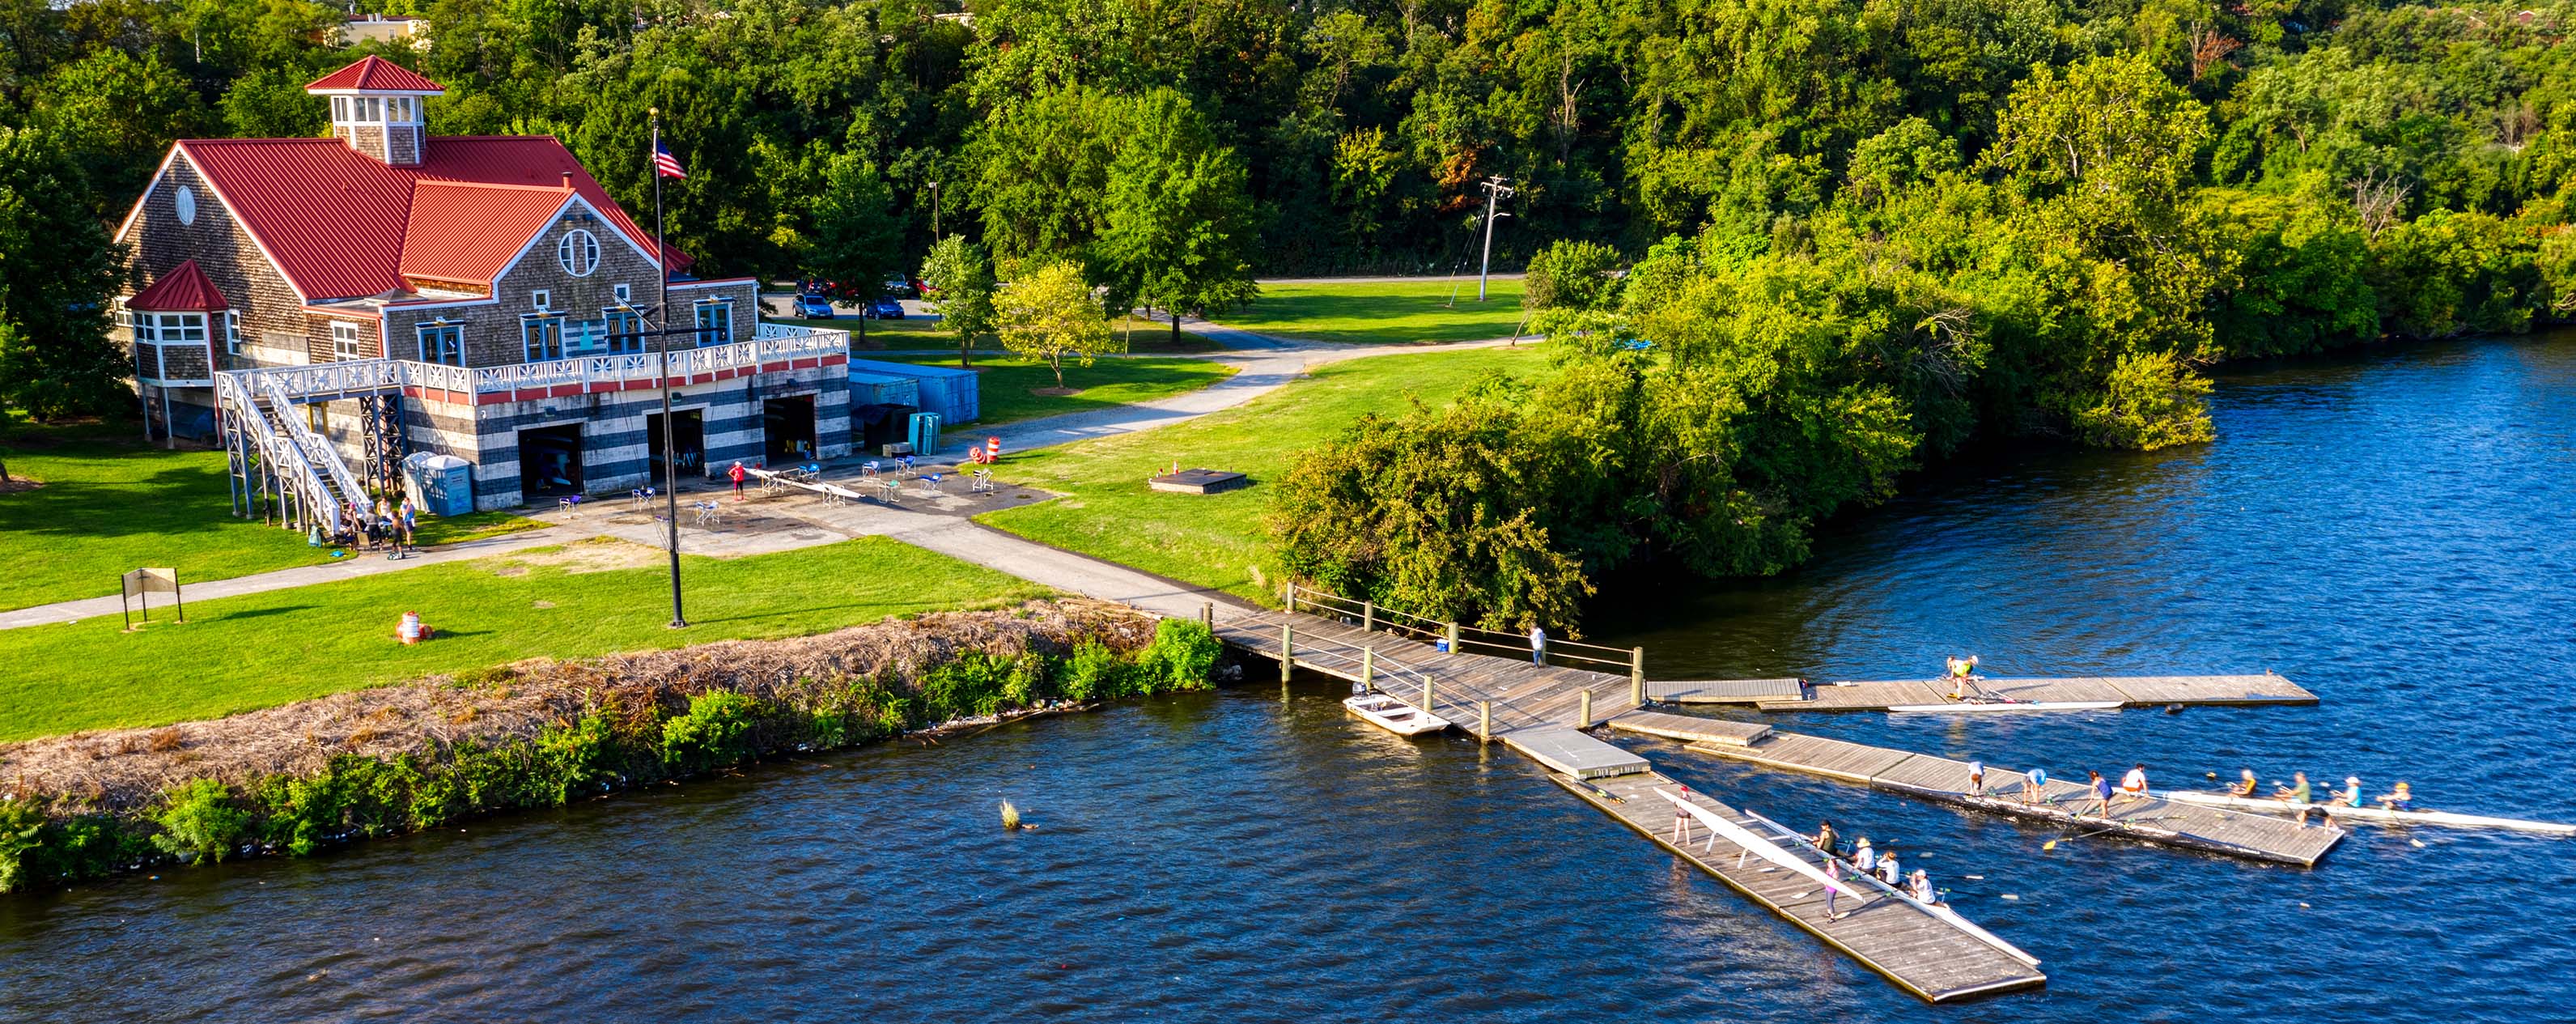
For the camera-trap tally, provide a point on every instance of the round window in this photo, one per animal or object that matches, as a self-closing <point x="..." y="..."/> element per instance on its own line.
<point x="578" y="252"/>
<point x="186" y="202"/>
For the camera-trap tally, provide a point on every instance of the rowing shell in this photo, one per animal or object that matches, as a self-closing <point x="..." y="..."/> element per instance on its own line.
<point x="2380" y="815"/>
<point x="2011" y="705"/>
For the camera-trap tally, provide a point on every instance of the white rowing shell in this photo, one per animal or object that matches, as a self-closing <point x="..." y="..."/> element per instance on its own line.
<point x="2035" y="705"/>
<point x="1763" y="848"/>
<point x="2380" y="815"/>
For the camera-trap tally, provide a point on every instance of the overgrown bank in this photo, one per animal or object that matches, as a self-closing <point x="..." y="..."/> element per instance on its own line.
<point x="294" y="779"/>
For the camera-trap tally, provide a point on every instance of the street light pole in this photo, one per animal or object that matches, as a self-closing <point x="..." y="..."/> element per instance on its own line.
<point x="1495" y="191"/>
<point x="662" y="339"/>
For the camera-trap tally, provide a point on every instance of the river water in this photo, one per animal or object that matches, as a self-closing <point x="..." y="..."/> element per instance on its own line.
<point x="2392" y="531"/>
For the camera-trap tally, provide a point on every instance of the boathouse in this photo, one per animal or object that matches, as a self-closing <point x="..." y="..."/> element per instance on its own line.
<point x="331" y="305"/>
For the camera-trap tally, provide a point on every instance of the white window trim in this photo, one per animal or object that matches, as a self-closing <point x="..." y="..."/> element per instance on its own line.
<point x="570" y="251"/>
<point x="352" y="345"/>
<point x="232" y="332"/>
<point x="624" y="292"/>
<point x="543" y="299"/>
<point x="696" y="310"/>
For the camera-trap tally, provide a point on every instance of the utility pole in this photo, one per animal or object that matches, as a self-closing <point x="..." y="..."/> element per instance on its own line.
<point x="1495" y="191"/>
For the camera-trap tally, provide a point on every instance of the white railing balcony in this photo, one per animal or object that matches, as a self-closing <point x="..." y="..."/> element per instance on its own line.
<point x="771" y="344"/>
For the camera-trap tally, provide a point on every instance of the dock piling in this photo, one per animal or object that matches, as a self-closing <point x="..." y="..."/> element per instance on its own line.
<point x="1485" y="720"/>
<point x="1585" y="721"/>
<point x="1637" y="677"/>
<point x="1368" y="616"/>
<point x="1453" y="639"/>
<point x="1368" y="666"/>
<point x="1426" y="697"/>
<point x="1287" y="651"/>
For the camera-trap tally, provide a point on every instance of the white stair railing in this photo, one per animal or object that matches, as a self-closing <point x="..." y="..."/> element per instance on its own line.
<point x="318" y="451"/>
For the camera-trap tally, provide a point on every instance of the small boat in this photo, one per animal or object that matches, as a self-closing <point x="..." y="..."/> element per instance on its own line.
<point x="2001" y="704"/>
<point x="1393" y="715"/>
<point x="2375" y="815"/>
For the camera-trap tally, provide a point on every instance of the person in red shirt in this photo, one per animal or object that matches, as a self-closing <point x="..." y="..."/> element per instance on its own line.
<point x="736" y="474"/>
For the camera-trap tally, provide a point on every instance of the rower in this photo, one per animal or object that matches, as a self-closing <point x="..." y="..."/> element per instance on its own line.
<point x="1959" y="682"/>
<point x="2351" y="795"/>
<point x="2244" y="786"/>
<point x="1863" y="857"/>
<point x="1921" y="886"/>
<point x="2296" y="794"/>
<point x="1888" y="872"/>
<point x="2101" y="793"/>
<point x="2134" y="784"/>
<point x="1976" y="778"/>
<point x="2401" y="800"/>
<point x="2034" y="784"/>
<point x="1825" y="837"/>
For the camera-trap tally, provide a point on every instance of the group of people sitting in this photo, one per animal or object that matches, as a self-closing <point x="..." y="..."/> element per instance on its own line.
<point x="2298" y="792"/>
<point x="386" y="526"/>
<point x="2034" y="787"/>
<point x="1881" y="864"/>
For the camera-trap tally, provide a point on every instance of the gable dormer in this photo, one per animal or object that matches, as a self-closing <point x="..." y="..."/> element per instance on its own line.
<point x="376" y="109"/>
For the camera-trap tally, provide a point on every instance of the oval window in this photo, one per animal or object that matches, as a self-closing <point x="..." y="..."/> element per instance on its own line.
<point x="578" y="252"/>
<point x="186" y="202"/>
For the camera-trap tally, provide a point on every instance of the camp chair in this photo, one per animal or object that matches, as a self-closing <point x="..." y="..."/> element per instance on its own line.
<point x="983" y="482"/>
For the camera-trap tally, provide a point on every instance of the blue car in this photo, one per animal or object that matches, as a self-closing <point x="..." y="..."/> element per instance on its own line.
<point x="813" y="307"/>
<point x="884" y="308"/>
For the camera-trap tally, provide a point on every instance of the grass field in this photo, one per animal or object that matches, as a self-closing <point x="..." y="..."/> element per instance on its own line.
<point x="1410" y="312"/>
<point x="1008" y="384"/>
<point x="910" y="332"/>
<point x="1219" y="540"/>
<point x="111" y="503"/>
<point x="577" y="600"/>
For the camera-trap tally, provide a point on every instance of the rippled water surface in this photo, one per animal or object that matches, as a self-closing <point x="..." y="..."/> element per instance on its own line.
<point x="2393" y="532"/>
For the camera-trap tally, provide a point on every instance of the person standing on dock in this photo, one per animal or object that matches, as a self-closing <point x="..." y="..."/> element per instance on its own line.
<point x="1976" y="778"/>
<point x="2101" y="794"/>
<point x="1833" y="886"/>
<point x="1538" y="645"/>
<point x="2034" y="784"/>
<point x="2134" y="784"/>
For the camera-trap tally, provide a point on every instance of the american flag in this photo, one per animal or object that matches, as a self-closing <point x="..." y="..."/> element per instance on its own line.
<point x="665" y="164"/>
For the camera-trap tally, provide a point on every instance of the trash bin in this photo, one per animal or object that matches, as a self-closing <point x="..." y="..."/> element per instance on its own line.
<point x="442" y="485"/>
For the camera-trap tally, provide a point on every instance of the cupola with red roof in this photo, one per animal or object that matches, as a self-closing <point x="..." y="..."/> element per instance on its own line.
<point x="376" y="109"/>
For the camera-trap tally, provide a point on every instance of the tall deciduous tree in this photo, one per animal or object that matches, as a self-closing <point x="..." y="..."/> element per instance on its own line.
<point x="960" y="279"/>
<point x="114" y="114"/>
<point x="1179" y="222"/>
<point x="57" y="271"/>
<point x="1050" y="315"/>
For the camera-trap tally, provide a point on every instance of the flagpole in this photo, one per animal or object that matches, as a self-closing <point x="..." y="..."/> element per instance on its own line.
<point x="662" y="343"/>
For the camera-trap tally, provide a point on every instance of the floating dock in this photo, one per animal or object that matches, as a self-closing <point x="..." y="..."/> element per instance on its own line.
<point x="1923" y="952"/>
<point x="1540" y="711"/>
<point x="2154" y="820"/>
<point x="2132" y="691"/>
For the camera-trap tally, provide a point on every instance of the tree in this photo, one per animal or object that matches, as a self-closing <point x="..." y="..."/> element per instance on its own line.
<point x="857" y="238"/>
<point x="1049" y="314"/>
<point x="960" y="282"/>
<point x="58" y="269"/>
<point x="1573" y="275"/>
<point x="1180" y="223"/>
<point x="114" y="115"/>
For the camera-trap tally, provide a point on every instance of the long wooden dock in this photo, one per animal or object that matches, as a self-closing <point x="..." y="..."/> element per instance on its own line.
<point x="2128" y="691"/>
<point x="2063" y="802"/>
<point x="1539" y="712"/>
<point x="1920" y="950"/>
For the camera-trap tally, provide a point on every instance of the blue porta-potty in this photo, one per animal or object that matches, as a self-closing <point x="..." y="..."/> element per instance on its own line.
<point x="925" y="433"/>
<point x="442" y="485"/>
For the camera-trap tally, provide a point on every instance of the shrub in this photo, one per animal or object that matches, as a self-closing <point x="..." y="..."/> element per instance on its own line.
<point x="716" y="731"/>
<point x="199" y="820"/>
<point x="1095" y="673"/>
<point x="1182" y="656"/>
<point x="21" y="822"/>
<point x="576" y="755"/>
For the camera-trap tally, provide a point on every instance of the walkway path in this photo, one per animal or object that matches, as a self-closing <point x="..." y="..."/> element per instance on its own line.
<point x="353" y="567"/>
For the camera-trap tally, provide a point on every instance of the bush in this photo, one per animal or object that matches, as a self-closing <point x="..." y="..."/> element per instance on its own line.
<point x="1096" y="673"/>
<point x="21" y="822"/>
<point x="1182" y="656"/>
<point x="715" y="732"/>
<point x="1571" y="275"/>
<point x="199" y="821"/>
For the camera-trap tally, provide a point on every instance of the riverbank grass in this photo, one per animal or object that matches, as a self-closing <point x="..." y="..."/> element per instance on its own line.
<point x="1383" y="313"/>
<point x="1219" y="540"/>
<point x="109" y="503"/>
<point x="576" y="600"/>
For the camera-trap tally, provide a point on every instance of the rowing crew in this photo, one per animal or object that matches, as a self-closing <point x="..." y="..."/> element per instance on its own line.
<point x="2299" y="793"/>
<point x="2034" y="787"/>
<point x="1881" y="864"/>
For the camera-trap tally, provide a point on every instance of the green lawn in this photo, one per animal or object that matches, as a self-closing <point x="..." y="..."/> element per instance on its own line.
<point x="1008" y="384"/>
<point x="244" y="653"/>
<point x="1218" y="540"/>
<point x="1410" y="312"/>
<point x="1141" y="335"/>
<point x="111" y="503"/>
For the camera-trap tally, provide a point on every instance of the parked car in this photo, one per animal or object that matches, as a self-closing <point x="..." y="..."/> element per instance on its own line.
<point x="901" y="286"/>
<point x="884" y="307"/>
<point x="813" y="307"/>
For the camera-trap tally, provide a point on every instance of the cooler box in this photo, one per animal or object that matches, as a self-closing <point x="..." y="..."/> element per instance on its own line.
<point x="442" y="485"/>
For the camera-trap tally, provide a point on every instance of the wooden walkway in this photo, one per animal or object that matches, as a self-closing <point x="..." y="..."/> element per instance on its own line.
<point x="1690" y="728"/>
<point x="1922" y="952"/>
<point x="2154" y="820"/>
<point x="1470" y="690"/>
<point x="2138" y="691"/>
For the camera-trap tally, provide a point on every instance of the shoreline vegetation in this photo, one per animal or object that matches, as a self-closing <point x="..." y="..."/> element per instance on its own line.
<point x="295" y="779"/>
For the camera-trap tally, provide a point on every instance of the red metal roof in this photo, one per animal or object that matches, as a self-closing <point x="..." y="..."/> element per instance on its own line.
<point x="378" y="74"/>
<point x="338" y="223"/>
<point x="184" y="289"/>
<point x="467" y="232"/>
